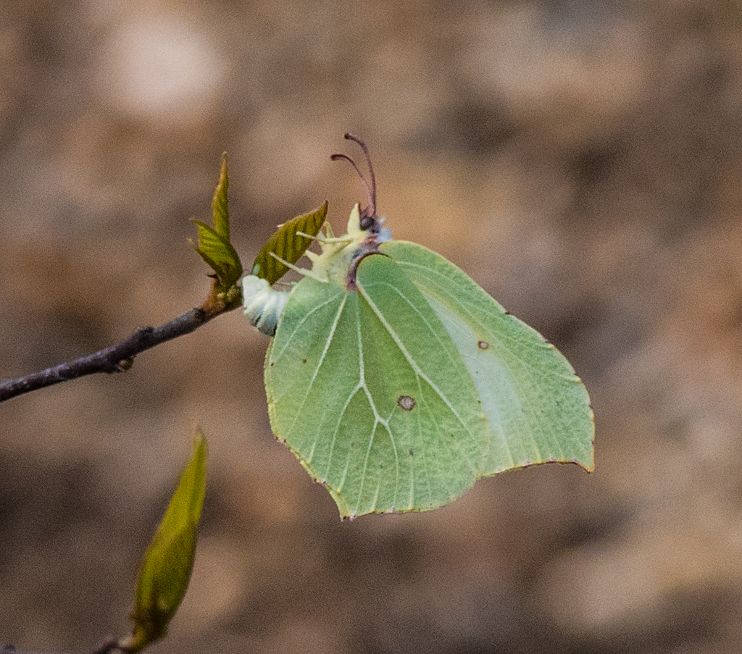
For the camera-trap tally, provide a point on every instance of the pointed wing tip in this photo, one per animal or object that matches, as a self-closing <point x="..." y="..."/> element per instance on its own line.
<point x="588" y="466"/>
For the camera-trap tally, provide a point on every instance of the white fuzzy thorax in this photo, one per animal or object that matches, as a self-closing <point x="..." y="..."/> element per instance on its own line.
<point x="263" y="305"/>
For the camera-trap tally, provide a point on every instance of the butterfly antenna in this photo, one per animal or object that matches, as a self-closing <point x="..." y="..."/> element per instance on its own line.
<point x="345" y="157"/>
<point x="372" y="188"/>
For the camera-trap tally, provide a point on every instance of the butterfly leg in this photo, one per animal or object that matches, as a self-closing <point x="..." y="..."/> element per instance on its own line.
<point x="302" y="271"/>
<point x="326" y="239"/>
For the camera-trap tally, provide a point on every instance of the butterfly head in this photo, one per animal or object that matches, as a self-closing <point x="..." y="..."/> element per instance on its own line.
<point x="365" y="219"/>
<point x="340" y="256"/>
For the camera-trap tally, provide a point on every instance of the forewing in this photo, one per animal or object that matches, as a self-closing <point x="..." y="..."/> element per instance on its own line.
<point x="537" y="408"/>
<point x="370" y="393"/>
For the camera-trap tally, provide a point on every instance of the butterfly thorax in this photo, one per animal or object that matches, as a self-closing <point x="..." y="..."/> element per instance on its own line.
<point x="339" y="258"/>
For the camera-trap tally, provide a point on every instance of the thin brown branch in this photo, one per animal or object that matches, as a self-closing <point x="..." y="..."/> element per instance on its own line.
<point x="115" y="358"/>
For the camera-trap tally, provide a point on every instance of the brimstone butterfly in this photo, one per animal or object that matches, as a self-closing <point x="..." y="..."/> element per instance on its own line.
<point x="398" y="382"/>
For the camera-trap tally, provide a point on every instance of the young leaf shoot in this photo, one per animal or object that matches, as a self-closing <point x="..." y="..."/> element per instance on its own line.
<point x="166" y="566"/>
<point x="214" y="245"/>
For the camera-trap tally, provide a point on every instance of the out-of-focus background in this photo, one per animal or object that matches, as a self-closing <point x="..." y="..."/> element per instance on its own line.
<point x="581" y="160"/>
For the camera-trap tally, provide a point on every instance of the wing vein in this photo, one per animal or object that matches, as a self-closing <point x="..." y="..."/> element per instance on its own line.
<point x="308" y="315"/>
<point x="321" y="361"/>
<point x="411" y="362"/>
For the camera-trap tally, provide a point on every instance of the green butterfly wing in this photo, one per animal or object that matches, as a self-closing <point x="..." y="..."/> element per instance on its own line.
<point x="367" y="389"/>
<point x="398" y="396"/>
<point x="538" y="410"/>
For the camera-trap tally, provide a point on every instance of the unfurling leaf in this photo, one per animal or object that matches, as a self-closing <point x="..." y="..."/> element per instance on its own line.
<point x="213" y="242"/>
<point x="166" y="566"/>
<point x="287" y="244"/>
<point x="219" y="254"/>
<point x="220" y="203"/>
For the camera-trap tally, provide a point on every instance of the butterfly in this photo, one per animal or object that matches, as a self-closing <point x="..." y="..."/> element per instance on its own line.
<point x="394" y="378"/>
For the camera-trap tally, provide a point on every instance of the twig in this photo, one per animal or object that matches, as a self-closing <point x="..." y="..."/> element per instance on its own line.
<point x="115" y="358"/>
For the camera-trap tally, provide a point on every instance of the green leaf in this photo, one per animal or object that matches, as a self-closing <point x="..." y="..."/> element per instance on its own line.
<point x="219" y="254"/>
<point x="166" y="566"/>
<point x="213" y="243"/>
<point x="287" y="244"/>
<point x="220" y="203"/>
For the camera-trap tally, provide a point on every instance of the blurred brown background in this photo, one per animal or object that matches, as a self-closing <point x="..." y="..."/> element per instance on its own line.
<point x="581" y="160"/>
